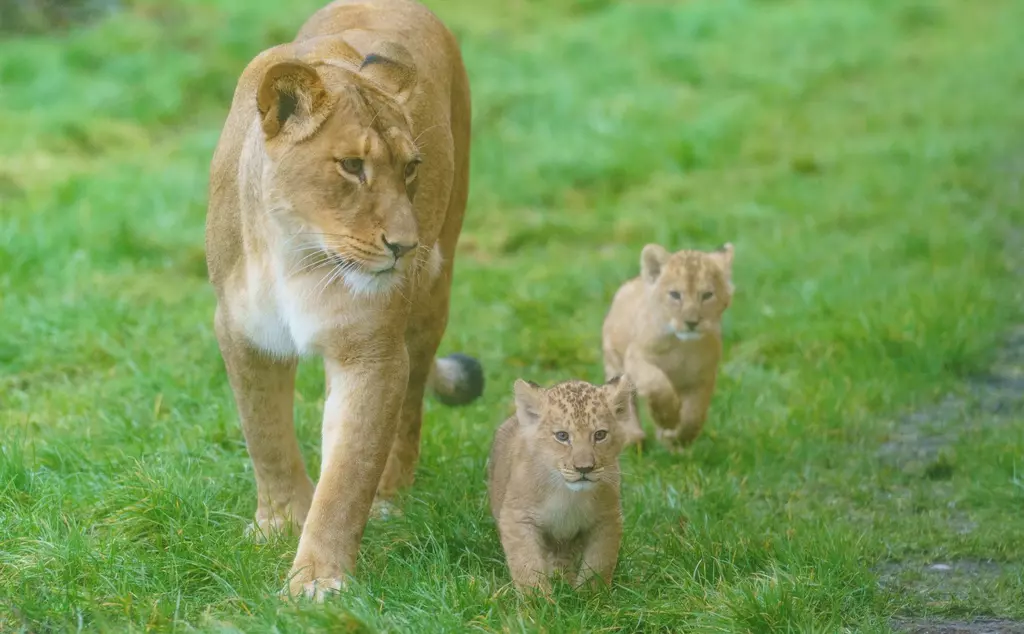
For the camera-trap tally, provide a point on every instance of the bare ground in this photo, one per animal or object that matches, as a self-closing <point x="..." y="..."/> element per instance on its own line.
<point x="919" y="446"/>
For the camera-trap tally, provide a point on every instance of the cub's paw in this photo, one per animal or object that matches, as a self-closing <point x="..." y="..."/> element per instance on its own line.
<point x="673" y="441"/>
<point x="634" y="438"/>
<point x="384" y="510"/>
<point x="316" y="590"/>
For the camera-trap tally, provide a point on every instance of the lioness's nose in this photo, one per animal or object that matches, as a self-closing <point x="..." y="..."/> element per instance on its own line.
<point x="397" y="248"/>
<point x="585" y="470"/>
<point x="692" y="325"/>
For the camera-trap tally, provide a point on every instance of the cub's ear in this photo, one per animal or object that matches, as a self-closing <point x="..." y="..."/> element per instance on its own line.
<point x="652" y="260"/>
<point x="390" y="66"/>
<point x="620" y="394"/>
<point x="723" y="257"/>
<point x="292" y="93"/>
<point x="528" y="401"/>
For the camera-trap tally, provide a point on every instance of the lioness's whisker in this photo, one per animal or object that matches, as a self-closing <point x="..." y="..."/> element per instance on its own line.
<point x="374" y="119"/>
<point x="340" y="270"/>
<point x="312" y="254"/>
<point x="422" y="132"/>
<point x="328" y="277"/>
<point x="307" y="268"/>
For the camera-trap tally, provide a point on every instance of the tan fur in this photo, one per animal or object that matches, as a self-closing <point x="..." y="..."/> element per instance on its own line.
<point x="298" y="253"/>
<point x="550" y="520"/>
<point x="647" y="334"/>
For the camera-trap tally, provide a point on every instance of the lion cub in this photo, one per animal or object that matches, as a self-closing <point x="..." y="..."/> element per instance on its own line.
<point x="553" y="477"/>
<point x="664" y="330"/>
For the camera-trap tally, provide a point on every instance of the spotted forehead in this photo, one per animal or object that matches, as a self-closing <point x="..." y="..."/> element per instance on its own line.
<point x="692" y="268"/>
<point x="575" y="402"/>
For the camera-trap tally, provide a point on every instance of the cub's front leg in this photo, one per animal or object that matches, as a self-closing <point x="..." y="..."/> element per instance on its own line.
<point x="367" y="387"/>
<point x="652" y="384"/>
<point x="527" y="557"/>
<point x="693" y="412"/>
<point x="600" y="553"/>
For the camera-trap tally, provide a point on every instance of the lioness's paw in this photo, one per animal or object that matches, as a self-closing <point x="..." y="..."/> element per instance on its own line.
<point x="316" y="590"/>
<point x="263" y="530"/>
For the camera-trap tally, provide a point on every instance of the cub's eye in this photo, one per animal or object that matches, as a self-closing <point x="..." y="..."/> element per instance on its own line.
<point x="562" y="436"/>
<point x="674" y="294"/>
<point x="353" y="166"/>
<point x="600" y="435"/>
<point x="410" y="169"/>
<point x="706" y="296"/>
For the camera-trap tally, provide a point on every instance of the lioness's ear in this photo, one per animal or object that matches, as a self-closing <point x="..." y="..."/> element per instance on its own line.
<point x="291" y="92"/>
<point x="528" y="400"/>
<point x="652" y="260"/>
<point x="619" y="393"/>
<point x="391" y="67"/>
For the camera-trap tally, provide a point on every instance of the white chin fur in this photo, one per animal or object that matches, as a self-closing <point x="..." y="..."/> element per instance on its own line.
<point x="581" y="485"/>
<point x="362" y="283"/>
<point x="688" y="336"/>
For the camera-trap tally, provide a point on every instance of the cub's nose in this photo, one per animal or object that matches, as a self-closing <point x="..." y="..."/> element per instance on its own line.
<point x="585" y="470"/>
<point x="398" y="249"/>
<point x="692" y="325"/>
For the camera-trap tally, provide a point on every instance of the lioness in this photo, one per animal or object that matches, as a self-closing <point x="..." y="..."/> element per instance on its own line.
<point x="553" y="478"/>
<point x="664" y="329"/>
<point x="337" y="191"/>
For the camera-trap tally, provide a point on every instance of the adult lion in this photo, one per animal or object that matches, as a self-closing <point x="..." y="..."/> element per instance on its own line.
<point x="337" y="192"/>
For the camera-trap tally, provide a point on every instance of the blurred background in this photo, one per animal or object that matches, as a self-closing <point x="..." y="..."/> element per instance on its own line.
<point x="864" y="157"/>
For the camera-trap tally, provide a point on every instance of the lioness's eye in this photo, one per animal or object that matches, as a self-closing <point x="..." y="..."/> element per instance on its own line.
<point x="706" y="296"/>
<point x="562" y="436"/>
<point x="410" y="169"/>
<point x="674" y="294"/>
<point x="600" y="434"/>
<point x="353" y="166"/>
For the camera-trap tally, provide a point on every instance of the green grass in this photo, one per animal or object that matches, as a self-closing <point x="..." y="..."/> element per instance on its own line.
<point x="863" y="156"/>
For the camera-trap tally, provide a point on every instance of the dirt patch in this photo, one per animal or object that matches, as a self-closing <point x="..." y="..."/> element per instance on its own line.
<point x="978" y="626"/>
<point x="922" y="445"/>
<point x="945" y="581"/>
<point x="919" y="442"/>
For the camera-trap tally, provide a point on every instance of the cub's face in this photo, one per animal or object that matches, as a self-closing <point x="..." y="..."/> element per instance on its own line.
<point x="687" y="291"/>
<point x="574" y="428"/>
<point x="342" y="174"/>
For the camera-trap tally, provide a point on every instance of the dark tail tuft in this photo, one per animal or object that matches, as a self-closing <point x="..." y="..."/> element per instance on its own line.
<point x="457" y="379"/>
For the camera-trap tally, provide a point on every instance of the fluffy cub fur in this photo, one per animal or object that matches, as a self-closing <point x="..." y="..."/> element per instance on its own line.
<point x="553" y="477"/>
<point x="664" y="329"/>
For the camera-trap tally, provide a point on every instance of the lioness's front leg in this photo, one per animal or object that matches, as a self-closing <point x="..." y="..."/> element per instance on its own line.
<point x="367" y="388"/>
<point x="423" y="336"/>
<point x="264" y="393"/>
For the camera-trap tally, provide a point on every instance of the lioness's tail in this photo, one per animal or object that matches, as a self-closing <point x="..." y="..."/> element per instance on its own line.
<point x="457" y="379"/>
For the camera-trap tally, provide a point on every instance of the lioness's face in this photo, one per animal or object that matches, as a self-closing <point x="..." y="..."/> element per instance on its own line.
<point x="688" y="291"/>
<point x="574" y="428"/>
<point x="343" y="188"/>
